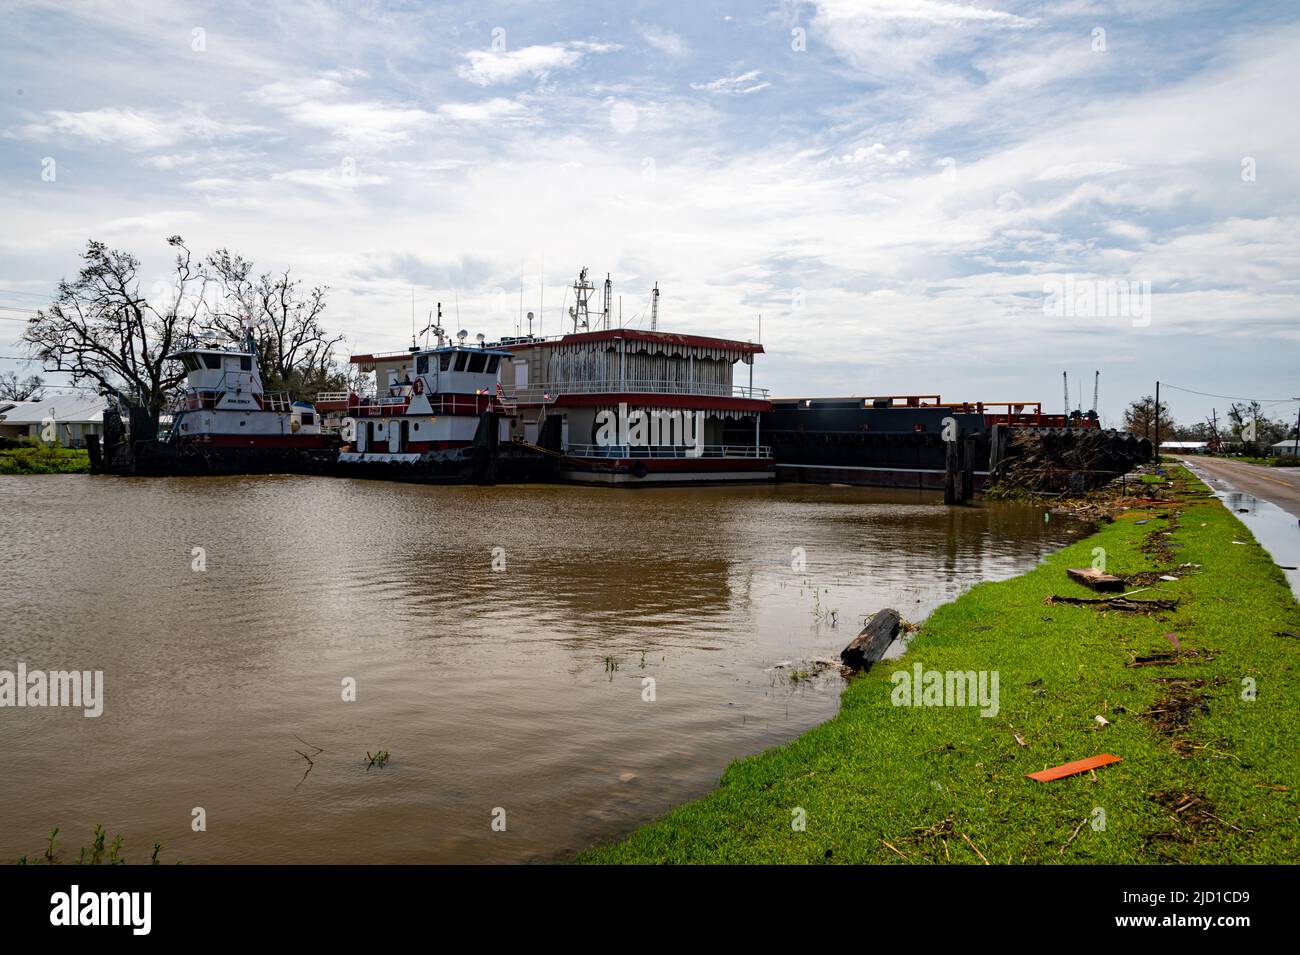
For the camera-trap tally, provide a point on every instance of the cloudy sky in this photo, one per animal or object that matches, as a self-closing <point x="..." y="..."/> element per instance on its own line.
<point x="918" y="196"/>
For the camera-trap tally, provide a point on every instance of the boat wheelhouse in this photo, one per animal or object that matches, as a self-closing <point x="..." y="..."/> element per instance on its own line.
<point x="223" y="404"/>
<point x="425" y="402"/>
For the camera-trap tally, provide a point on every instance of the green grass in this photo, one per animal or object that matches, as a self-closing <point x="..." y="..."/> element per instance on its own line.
<point x="44" y="459"/>
<point x="940" y="783"/>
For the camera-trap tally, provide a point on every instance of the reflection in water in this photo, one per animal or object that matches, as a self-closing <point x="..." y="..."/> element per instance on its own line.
<point x="1274" y="528"/>
<point x="521" y="689"/>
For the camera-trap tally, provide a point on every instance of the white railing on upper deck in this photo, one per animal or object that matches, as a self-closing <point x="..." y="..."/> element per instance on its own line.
<point x="549" y="390"/>
<point x="627" y="451"/>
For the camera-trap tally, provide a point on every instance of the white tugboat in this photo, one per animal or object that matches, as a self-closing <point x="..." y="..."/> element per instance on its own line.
<point x="221" y="422"/>
<point x="435" y="415"/>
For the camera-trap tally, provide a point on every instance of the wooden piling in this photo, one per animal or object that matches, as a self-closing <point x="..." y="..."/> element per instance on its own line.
<point x="951" y="473"/>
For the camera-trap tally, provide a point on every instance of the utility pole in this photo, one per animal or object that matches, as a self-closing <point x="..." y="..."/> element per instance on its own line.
<point x="1295" y="448"/>
<point x="1157" y="422"/>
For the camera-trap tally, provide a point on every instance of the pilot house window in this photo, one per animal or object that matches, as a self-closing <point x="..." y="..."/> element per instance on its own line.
<point x="460" y="360"/>
<point x="477" y="362"/>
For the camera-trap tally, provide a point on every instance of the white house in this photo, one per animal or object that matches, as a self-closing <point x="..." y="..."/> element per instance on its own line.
<point x="65" y="418"/>
<point x="1184" y="447"/>
<point x="1282" y="447"/>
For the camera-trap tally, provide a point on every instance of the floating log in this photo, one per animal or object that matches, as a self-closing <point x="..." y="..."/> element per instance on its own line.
<point x="870" y="645"/>
<point x="1095" y="579"/>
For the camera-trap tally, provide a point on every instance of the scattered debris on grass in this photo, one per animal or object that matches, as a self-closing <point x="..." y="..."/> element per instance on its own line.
<point x="1074" y="768"/>
<point x="1122" y="603"/>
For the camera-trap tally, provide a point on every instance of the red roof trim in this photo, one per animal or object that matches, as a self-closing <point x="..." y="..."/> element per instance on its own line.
<point x="661" y="338"/>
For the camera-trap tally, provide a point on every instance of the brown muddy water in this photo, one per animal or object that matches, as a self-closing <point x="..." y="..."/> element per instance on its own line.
<point x="519" y="689"/>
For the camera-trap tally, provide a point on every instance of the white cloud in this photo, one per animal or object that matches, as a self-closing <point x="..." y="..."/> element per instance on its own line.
<point x="491" y="110"/>
<point x="877" y="155"/>
<point x="326" y="102"/>
<point x="740" y="85"/>
<point x="133" y="129"/>
<point x="927" y="11"/>
<point x="490" y="67"/>
<point x="908" y="38"/>
<point x="665" y="41"/>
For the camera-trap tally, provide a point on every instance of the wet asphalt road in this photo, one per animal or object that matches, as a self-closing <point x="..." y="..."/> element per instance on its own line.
<point x="1278" y="485"/>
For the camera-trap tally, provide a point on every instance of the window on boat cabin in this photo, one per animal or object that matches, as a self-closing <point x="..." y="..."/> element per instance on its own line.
<point x="212" y="361"/>
<point x="191" y="362"/>
<point x="493" y="361"/>
<point x="245" y="363"/>
<point x="444" y="361"/>
<point x="422" y="365"/>
<point x="460" y="360"/>
<point x="308" y="418"/>
<point x="477" y="362"/>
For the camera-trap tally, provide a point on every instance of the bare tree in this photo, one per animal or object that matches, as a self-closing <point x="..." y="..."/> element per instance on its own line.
<point x="103" y="329"/>
<point x="295" y="352"/>
<point x="1255" y="431"/>
<point x="13" y="388"/>
<point x="1140" y="417"/>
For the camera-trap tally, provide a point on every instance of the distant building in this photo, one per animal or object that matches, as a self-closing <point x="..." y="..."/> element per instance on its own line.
<point x="1184" y="447"/>
<point x="1282" y="447"/>
<point x="71" y="416"/>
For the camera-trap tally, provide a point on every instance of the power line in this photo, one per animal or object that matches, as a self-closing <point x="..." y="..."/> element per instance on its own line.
<point x="1206" y="394"/>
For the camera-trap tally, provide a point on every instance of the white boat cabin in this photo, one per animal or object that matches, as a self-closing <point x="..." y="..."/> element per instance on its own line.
<point x="424" y="400"/>
<point x="223" y="397"/>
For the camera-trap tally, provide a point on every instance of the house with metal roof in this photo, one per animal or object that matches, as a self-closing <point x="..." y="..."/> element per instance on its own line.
<point x="63" y="418"/>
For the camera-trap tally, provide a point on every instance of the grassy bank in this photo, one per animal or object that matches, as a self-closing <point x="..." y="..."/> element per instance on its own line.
<point x="1206" y="776"/>
<point x="42" y="459"/>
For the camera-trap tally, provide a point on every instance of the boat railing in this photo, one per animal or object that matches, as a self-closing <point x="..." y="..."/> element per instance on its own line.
<point x="621" y="451"/>
<point x="549" y="390"/>
<point x="371" y="406"/>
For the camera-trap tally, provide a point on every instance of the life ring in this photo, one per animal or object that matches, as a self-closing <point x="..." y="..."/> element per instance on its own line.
<point x="418" y="386"/>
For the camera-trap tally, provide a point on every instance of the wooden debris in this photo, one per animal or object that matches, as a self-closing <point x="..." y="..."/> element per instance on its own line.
<point x="1071" y="769"/>
<point x="1154" y="660"/>
<point x="1121" y="603"/>
<point x="870" y="645"/>
<point x="1095" y="579"/>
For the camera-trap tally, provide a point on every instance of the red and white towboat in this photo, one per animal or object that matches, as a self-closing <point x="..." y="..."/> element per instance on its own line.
<point x="222" y="421"/>
<point x="434" y="415"/>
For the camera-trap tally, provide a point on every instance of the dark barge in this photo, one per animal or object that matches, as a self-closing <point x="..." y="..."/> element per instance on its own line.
<point x="900" y="441"/>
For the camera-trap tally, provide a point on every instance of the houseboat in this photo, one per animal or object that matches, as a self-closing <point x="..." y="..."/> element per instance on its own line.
<point x="629" y="406"/>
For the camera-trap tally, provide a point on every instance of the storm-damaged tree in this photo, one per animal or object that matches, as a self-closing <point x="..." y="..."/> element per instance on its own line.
<point x="13" y="388"/>
<point x="1140" y="418"/>
<point x="101" y="327"/>
<point x="295" y="353"/>
<point x="1255" y="432"/>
